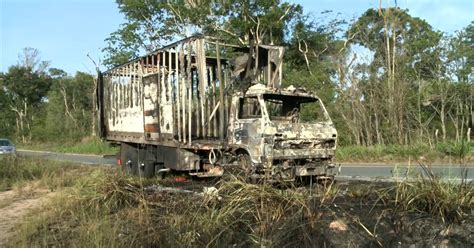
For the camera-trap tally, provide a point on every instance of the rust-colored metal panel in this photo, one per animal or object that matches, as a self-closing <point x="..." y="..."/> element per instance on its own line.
<point x="152" y="127"/>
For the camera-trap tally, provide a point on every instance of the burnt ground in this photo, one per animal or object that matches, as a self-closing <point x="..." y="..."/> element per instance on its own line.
<point x="373" y="222"/>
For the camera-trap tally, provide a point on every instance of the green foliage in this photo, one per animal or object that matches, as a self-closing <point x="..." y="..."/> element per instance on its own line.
<point x="45" y="106"/>
<point x="69" y="100"/>
<point x="415" y="40"/>
<point x="315" y="43"/>
<point x="94" y="146"/>
<point x="407" y="91"/>
<point x="7" y="125"/>
<point x="455" y="149"/>
<point x="23" y="85"/>
<point x="461" y="54"/>
<point x="318" y="83"/>
<point x="23" y="94"/>
<point x="151" y="24"/>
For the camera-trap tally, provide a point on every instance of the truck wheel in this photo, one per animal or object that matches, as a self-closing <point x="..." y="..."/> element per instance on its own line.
<point x="246" y="167"/>
<point x="129" y="158"/>
<point x="147" y="168"/>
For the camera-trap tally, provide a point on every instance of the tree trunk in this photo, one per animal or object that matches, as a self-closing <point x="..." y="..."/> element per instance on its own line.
<point x="443" y="121"/>
<point x="94" y="109"/>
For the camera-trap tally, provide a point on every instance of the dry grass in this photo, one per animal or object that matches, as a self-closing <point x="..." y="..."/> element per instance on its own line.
<point x="17" y="172"/>
<point x="104" y="208"/>
<point x="429" y="194"/>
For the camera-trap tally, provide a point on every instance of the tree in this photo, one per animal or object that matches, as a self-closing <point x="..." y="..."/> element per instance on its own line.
<point x="7" y="123"/>
<point x="25" y="90"/>
<point x="404" y="48"/>
<point x="69" y="100"/>
<point x="30" y="58"/>
<point x="460" y="63"/>
<point x="152" y="23"/>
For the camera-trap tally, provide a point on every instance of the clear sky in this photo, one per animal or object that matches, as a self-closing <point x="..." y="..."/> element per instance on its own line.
<point x="64" y="31"/>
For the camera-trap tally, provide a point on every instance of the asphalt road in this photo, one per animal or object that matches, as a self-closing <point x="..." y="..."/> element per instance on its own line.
<point x="400" y="171"/>
<point x="355" y="171"/>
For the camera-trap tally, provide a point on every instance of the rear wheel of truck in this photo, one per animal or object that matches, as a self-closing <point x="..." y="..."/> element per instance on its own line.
<point x="136" y="162"/>
<point x="146" y="167"/>
<point x="129" y="159"/>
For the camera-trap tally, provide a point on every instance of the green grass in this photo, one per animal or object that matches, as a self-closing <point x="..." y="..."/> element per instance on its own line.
<point x="89" y="146"/>
<point x="381" y="153"/>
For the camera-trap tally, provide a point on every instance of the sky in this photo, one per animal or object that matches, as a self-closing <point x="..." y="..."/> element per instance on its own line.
<point x="65" y="31"/>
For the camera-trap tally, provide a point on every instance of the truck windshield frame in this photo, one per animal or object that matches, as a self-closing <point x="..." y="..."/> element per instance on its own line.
<point x="288" y="108"/>
<point x="249" y="108"/>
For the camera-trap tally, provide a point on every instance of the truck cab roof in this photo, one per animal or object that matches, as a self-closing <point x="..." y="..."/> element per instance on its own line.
<point x="260" y="89"/>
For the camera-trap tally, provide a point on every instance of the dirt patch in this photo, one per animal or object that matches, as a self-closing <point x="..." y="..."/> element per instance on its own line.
<point x="15" y="205"/>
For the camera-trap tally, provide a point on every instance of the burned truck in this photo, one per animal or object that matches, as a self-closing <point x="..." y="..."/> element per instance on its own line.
<point x="206" y="107"/>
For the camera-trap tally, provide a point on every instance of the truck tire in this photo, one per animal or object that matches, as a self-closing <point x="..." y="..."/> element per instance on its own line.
<point x="129" y="158"/>
<point x="147" y="168"/>
<point x="136" y="161"/>
<point x="246" y="167"/>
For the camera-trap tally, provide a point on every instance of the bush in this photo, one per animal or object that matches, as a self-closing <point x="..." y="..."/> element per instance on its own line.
<point x="455" y="148"/>
<point x="402" y="152"/>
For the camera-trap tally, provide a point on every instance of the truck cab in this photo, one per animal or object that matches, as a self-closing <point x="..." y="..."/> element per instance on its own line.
<point x="281" y="134"/>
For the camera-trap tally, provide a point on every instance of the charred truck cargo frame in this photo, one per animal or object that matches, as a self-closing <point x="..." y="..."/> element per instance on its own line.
<point x="202" y="106"/>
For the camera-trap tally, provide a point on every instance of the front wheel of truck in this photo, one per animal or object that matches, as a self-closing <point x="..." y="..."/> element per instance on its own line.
<point x="246" y="167"/>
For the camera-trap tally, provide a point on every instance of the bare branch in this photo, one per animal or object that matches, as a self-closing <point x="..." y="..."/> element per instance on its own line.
<point x="229" y="33"/>
<point x="305" y="54"/>
<point x="285" y="14"/>
<point x="347" y="41"/>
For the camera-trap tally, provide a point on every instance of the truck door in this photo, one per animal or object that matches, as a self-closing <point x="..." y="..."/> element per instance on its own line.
<point x="247" y="121"/>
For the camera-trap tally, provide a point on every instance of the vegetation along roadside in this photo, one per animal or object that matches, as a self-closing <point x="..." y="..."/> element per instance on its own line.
<point x="101" y="207"/>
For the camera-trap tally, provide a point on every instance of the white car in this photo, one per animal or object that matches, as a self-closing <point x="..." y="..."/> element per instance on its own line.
<point x="7" y="147"/>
